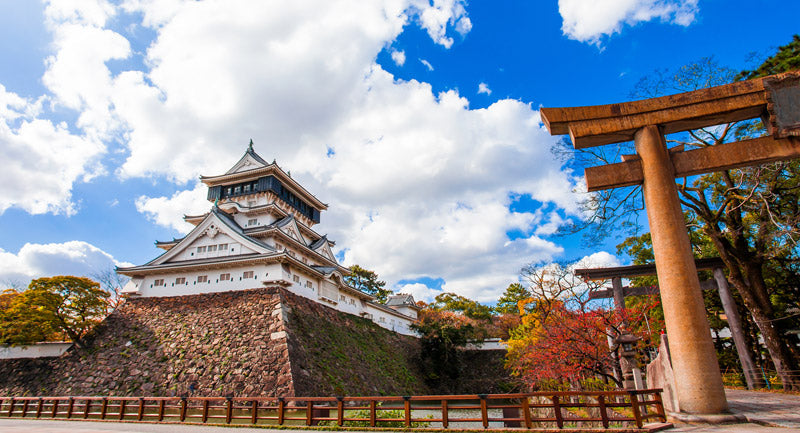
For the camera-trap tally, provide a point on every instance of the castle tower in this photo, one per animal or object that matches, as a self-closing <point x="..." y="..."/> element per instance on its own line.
<point x="258" y="233"/>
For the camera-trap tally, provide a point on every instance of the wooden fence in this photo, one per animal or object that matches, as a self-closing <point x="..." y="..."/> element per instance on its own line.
<point x="540" y="409"/>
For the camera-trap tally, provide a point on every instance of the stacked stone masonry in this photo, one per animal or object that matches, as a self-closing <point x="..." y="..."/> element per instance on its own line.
<point x="259" y="342"/>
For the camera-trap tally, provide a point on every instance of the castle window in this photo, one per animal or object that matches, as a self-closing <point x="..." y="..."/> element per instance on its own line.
<point x="353" y="302"/>
<point x="252" y="222"/>
<point x="224" y="277"/>
<point x="202" y="279"/>
<point x="237" y="190"/>
<point x="342" y="298"/>
<point x="201" y="250"/>
<point x="212" y="248"/>
<point x="247" y="188"/>
<point x="296" y="278"/>
<point x="158" y="282"/>
<point x="223" y="247"/>
<point x="382" y="319"/>
<point x="180" y="280"/>
<point x="247" y="274"/>
<point x="309" y="284"/>
<point x="229" y="190"/>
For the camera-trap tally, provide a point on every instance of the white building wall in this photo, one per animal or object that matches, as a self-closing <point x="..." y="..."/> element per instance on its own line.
<point x="223" y="246"/>
<point x="320" y="290"/>
<point x="38" y="350"/>
<point x="191" y="286"/>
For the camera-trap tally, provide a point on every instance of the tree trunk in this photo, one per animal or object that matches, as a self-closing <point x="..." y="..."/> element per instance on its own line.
<point x="745" y="274"/>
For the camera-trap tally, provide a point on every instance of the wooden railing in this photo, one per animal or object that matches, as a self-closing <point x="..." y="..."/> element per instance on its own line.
<point x="540" y="409"/>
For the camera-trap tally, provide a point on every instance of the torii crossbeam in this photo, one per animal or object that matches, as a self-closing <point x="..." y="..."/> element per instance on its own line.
<point x="776" y="99"/>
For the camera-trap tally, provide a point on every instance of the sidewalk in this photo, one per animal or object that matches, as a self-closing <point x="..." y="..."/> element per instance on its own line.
<point x="763" y="411"/>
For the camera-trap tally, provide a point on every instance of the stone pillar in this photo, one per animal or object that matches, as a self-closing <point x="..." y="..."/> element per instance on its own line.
<point x="694" y="361"/>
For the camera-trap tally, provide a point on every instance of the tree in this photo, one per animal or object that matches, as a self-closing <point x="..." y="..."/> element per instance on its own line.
<point x="751" y="215"/>
<point x="564" y="335"/>
<point x="509" y="301"/>
<point x="367" y="281"/>
<point x="442" y="334"/>
<point x="22" y="322"/>
<point x="459" y="304"/>
<point x="61" y="304"/>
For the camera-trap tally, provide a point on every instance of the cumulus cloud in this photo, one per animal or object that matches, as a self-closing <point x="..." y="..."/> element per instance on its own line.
<point x="419" y="184"/>
<point x="419" y="291"/>
<point x="438" y="16"/>
<point x="169" y="211"/>
<point x="41" y="159"/>
<point x="591" y="20"/>
<point x="45" y="260"/>
<point x="398" y="57"/>
<point x="484" y="88"/>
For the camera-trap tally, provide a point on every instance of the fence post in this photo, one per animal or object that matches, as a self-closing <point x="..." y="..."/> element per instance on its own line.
<point x="161" y="404"/>
<point x="140" y="415"/>
<point x="25" y="408"/>
<point x="340" y="411"/>
<point x="557" y="412"/>
<point x="254" y="414"/>
<point x="309" y="413"/>
<point x="281" y="407"/>
<point x="373" y="409"/>
<point x="229" y="410"/>
<point x="86" y="408"/>
<point x="660" y="406"/>
<point x="484" y="412"/>
<point x="11" y="407"/>
<point x="39" y="407"/>
<point x="205" y="411"/>
<point x="122" y="404"/>
<point x="55" y="408"/>
<point x="70" y="406"/>
<point x="637" y="415"/>
<point x="407" y="409"/>
<point x="601" y="404"/>
<point x="445" y="414"/>
<point x="526" y="412"/>
<point x="183" y="409"/>
<point x="104" y="408"/>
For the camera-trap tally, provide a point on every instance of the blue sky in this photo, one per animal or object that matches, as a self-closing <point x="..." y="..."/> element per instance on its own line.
<point x="415" y="120"/>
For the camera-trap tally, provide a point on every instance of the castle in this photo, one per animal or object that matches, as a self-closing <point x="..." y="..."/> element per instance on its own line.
<point x="259" y="233"/>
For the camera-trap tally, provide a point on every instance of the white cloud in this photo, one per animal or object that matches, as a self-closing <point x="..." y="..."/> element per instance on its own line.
<point x="436" y="17"/>
<point x="484" y="88"/>
<point x="419" y="184"/>
<point x="169" y="211"/>
<point x="590" y="20"/>
<point x="41" y="160"/>
<point x="600" y="259"/>
<point x="398" y="57"/>
<point x="46" y="260"/>
<point x="419" y="291"/>
<point x="427" y="64"/>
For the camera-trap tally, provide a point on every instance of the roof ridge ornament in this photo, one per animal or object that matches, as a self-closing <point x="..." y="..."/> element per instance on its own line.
<point x="250" y="146"/>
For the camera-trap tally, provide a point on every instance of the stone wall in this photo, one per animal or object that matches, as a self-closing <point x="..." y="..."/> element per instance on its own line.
<point x="259" y="342"/>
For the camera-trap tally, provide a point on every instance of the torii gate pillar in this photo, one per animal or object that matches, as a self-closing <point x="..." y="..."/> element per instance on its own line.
<point x="776" y="99"/>
<point x="694" y="358"/>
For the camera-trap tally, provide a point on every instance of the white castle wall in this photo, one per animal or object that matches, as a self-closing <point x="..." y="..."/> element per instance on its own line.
<point x="320" y="290"/>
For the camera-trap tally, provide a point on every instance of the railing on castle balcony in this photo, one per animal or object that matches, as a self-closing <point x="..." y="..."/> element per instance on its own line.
<point x="584" y="410"/>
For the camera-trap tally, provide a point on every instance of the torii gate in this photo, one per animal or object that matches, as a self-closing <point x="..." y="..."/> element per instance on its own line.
<point x="776" y="99"/>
